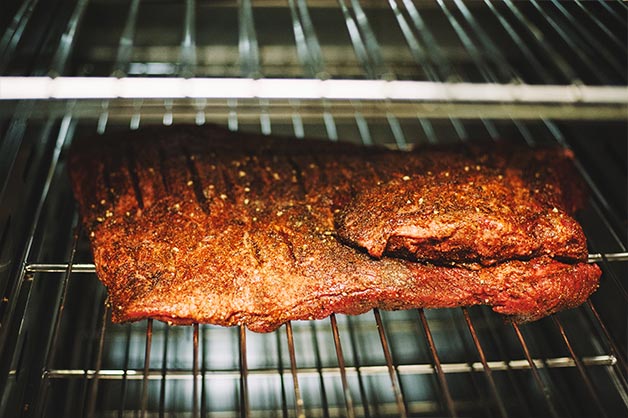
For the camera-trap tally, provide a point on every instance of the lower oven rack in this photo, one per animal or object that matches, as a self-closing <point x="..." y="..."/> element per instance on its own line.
<point x="70" y="359"/>
<point x="175" y="376"/>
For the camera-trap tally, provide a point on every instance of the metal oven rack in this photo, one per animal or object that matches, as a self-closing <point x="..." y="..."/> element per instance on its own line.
<point x="393" y="73"/>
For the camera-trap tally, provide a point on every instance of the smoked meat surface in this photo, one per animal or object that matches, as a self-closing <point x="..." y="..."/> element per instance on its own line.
<point x="199" y="224"/>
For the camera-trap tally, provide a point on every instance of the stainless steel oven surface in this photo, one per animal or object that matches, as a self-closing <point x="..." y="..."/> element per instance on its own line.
<point x="393" y="73"/>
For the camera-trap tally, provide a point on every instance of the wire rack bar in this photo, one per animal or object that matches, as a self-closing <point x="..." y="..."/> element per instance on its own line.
<point x="103" y="118"/>
<point x="67" y="40"/>
<point x="355" y="352"/>
<point x="392" y="371"/>
<point x="575" y="43"/>
<point x="583" y="374"/>
<point x="479" y="393"/>
<point x="204" y="351"/>
<point x="475" y="54"/>
<point x="600" y="204"/>
<point x="293" y="370"/>
<point x="506" y="72"/>
<point x="281" y="372"/>
<point x="11" y="144"/>
<point x="417" y="51"/>
<point x="319" y="370"/>
<point x="146" y="371"/>
<point x="358" y="44"/>
<point x="249" y="49"/>
<point x="303" y="52"/>
<point x="195" y="372"/>
<point x="232" y="118"/>
<point x="395" y="128"/>
<point x="611" y="257"/>
<point x="244" y="375"/>
<point x="125" y="45"/>
<point x="188" y="44"/>
<point x="514" y="35"/>
<point x="403" y="369"/>
<point x="65" y="131"/>
<point x="124" y="372"/>
<point x="555" y="58"/>
<point x="363" y="128"/>
<point x="496" y="334"/>
<point x="264" y="117"/>
<point x="613" y="13"/>
<point x="615" y="280"/>
<point x="200" y="115"/>
<point x="164" y="372"/>
<point x="445" y="69"/>
<point x="618" y="44"/>
<point x="487" y="370"/>
<point x="613" y="347"/>
<point x="440" y="373"/>
<point x="93" y="394"/>
<point x="314" y="46"/>
<point x="308" y="47"/>
<point x="607" y="215"/>
<point x="428" y="130"/>
<point x="297" y="124"/>
<point x="590" y="39"/>
<point x="91" y="268"/>
<point x="136" y="115"/>
<point x="13" y="33"/>
<point x="370" y="41"/>
<point x="342" y="368"/>
<point x="578" y="47"/>
<point x="545" y="389"/>
<point x="51" y="348"/>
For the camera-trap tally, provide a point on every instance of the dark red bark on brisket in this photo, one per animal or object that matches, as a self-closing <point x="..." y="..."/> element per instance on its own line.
<point x="484" y="206"/>
<point x="202" y="225"/>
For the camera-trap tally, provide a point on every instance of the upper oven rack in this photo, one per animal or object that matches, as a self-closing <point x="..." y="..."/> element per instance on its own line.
<point x="542" y="60"/>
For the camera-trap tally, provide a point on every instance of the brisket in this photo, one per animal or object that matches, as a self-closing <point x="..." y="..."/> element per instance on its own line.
<point x="202" y="225"/>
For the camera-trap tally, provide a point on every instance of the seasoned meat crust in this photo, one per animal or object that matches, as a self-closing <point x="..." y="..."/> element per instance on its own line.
<point x="195" y="224"/>
<point x="485" y="206"/>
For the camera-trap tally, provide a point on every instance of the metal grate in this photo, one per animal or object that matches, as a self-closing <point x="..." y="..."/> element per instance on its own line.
<point x="61" y="355"/>
<point x="465" y="362"/>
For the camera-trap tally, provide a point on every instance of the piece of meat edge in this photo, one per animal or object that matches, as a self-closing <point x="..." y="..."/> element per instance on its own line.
<point x="485" y="206"/>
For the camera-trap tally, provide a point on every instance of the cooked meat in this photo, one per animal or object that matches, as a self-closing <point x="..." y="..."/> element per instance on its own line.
<point x="202" y="225"/>
<point x="484" y="207"/>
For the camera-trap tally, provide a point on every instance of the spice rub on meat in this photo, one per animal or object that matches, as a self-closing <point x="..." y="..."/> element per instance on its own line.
<point x="484" y="206"/>
<point x="193" y="224"/>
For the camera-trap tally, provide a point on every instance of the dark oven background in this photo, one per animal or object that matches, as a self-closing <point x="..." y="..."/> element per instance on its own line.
<point x="61" y="356"/>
